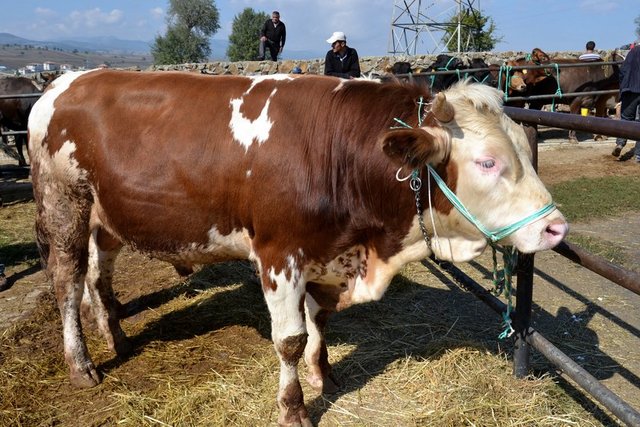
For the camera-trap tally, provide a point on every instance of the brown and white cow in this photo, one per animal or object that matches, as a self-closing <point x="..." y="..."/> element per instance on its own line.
<point x="297" y="173"/>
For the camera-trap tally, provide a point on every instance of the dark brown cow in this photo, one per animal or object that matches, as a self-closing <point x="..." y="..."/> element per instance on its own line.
<point x="547" y="81"/>
<point x="297" y="173"/>
<point x="14" y="112"/>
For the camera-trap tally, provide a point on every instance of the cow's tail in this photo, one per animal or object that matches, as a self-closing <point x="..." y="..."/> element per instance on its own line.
<point x="42" y="234"/>
<point x="42" y="242"/>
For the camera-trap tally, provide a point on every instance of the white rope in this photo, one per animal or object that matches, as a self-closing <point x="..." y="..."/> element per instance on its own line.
<point x="433" y="222"/>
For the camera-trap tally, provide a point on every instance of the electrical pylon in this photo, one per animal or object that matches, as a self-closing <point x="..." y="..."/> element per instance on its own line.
<point x="420" y="26"/>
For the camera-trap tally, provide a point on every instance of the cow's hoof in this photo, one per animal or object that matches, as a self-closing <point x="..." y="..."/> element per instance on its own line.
<point x="328" y="385"/>
<point x="303" y="422"/>
<point x="86" y="378"/>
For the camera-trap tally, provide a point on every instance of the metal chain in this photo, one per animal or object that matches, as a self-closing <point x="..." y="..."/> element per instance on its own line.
<point x="416" y="185"/>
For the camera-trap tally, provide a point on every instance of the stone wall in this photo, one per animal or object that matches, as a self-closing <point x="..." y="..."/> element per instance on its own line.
<point x="368" y="65"/>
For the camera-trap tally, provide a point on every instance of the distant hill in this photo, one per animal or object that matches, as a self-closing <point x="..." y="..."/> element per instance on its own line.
<point x="16" y="52"/>
<point x="91" y="44"/>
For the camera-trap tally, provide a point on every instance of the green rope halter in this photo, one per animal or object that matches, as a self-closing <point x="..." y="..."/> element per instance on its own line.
<point x="495" y="235"/>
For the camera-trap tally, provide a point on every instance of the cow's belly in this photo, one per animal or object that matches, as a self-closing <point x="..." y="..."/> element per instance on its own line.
<point x="218" y="248"/>
<point x="184" y="240"/>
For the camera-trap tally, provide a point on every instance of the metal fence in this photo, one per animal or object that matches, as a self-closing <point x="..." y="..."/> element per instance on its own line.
<point x="4" y="132"/>
<point x="526" y="336"/>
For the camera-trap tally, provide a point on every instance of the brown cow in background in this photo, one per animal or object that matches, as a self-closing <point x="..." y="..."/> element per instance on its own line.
<point x="555" y="79"/>
<point x="14" y="112"/>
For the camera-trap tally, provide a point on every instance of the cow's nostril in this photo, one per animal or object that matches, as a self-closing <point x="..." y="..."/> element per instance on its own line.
<point x="557" y="231"/>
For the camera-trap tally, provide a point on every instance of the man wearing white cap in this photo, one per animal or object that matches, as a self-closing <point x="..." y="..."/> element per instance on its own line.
<point x="341" y="60"/>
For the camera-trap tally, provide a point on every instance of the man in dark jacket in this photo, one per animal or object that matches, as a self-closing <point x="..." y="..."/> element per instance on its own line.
<point x="272" y="36"/>
<point x="629" y="95"/>
<point x="341" y="60"/>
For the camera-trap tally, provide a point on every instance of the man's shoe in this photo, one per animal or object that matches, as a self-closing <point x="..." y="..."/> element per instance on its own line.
<point x="616" y="151"/>
<point x="637" y="159"/>
<point x="260" y="58"/>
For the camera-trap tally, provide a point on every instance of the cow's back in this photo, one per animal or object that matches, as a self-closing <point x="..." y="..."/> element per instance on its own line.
<point x="202" y="158"/>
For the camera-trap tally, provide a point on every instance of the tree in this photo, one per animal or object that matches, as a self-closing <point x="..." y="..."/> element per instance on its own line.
<point x="245" y="32"/>
<point x="473" y="36"/>
<point x="190" y="24"/>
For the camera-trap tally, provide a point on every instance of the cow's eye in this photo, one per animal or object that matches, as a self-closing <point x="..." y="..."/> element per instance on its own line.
<point x="486" y="163"/>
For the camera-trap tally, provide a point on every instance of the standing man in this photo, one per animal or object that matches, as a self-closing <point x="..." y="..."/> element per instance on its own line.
<point x="272" y="36"/>
<point x="629" y="95"/>
<point x="341" y="60"/>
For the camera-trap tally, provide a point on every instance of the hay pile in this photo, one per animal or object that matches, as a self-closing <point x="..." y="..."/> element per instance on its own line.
<point x="425" y="355"/>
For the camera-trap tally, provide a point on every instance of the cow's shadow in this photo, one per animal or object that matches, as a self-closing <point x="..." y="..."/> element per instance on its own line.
<point x="18" y="254"/>
<point x="223" y="309"/>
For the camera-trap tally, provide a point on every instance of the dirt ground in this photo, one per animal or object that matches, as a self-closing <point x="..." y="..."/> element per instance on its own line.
<point x="569" y="301"/>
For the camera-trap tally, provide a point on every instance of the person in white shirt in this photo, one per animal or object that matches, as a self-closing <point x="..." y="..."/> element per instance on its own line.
<point x="589" y="54"/>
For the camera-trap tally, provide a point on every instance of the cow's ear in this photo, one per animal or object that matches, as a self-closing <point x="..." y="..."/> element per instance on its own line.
<point x="415" y="147"/>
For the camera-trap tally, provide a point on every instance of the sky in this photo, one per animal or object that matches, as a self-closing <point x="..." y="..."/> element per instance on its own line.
<point x="552" y="25"/>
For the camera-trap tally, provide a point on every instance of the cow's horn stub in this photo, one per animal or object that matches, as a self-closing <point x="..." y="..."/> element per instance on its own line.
<point x="442" y="110"/>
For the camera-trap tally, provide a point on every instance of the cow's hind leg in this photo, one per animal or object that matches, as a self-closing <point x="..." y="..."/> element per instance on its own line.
<point x="316" y="357"/>
<point x="103" y="250"/>
<point x="67" y="229"/>
<point x="284" y="293"/>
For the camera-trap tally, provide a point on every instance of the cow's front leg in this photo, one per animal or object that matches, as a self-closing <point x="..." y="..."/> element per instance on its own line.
<point x="316" y="356"/>
<point x="285" y="292"/>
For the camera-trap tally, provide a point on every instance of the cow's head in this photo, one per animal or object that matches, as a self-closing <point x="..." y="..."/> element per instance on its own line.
<point x="484" y="158"/>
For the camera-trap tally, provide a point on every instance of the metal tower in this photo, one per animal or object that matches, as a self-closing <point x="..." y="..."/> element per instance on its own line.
<point x="420" y="26"/>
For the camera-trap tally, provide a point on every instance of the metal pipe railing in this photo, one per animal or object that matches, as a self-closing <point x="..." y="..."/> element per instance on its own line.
<point x="584" y="379"/>
<point x="616" y="128"/>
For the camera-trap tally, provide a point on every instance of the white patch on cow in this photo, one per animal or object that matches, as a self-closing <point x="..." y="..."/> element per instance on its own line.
<point x="314" y="341"/>
<point x="236" y="243"/>
<point x="249" y="173"/>
<point x="65" y="166"/>
<point x="70" y="325"/>
<point x="220" y="247"/>
<point x="246" y="131"/>
<point x="284" y="302"/>
<point x="43" y="110"/>
<point x="259" y="79"/>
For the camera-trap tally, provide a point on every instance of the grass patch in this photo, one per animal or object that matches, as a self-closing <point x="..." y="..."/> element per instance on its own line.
<point x="17" y="245"/>
<point x="607" y="250"/>
<point x="592" y="198"/>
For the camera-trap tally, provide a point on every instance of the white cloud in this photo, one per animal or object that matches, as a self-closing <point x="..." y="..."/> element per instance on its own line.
<point x="93" y="18"/>
<point x="599" y="5"/>
<point x="157" y="13"/>
<point x="43" y="12"/>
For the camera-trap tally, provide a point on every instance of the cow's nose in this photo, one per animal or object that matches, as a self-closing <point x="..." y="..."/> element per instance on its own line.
<point x="555" y="232"/>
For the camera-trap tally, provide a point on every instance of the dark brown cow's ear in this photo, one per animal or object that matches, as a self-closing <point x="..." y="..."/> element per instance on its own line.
<point x="411" y="147"/>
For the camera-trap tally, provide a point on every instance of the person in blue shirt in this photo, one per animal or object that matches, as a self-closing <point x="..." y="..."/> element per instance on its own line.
<point x="629" y="96"/>
<point x="341" y="60"/>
